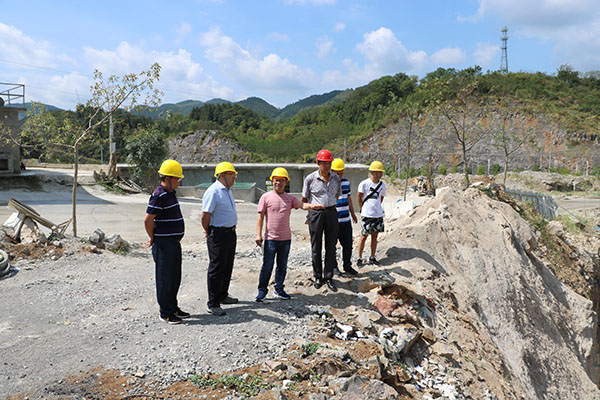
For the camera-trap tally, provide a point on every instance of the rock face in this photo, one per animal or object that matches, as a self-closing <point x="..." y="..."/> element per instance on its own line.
<point x="546" y="332"/>
<point x="205" y="147"/>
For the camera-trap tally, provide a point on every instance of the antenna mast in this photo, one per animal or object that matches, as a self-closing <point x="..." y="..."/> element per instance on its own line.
<point x="504" y="58"/>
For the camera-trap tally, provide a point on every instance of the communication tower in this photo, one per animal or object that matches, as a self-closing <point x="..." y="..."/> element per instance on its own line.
<point x="504" y="58"/>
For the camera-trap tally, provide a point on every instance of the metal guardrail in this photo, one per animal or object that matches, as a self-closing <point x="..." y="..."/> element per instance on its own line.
<point x="544" y="204"/>
<point x="12" y="94"/>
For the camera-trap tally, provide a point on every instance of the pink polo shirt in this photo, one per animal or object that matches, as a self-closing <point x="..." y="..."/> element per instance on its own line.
<point x="277" y="208"/>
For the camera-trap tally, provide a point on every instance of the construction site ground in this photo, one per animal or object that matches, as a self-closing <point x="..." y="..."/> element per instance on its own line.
<point x="86" y="324"/>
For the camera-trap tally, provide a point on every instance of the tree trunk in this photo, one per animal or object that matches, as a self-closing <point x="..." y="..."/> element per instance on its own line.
<point x="74" y="193"/>
<point x="465" y="166"/>
<point x="112" y="166"/>
<point x="505" y="167"/>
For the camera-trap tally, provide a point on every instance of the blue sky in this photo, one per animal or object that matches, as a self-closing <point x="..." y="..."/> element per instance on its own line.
<point x="281" y="50"/>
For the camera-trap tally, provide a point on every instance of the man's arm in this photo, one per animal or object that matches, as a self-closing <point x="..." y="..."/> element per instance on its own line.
<point x="360" y="200"/>
<point x="149" y="226"/>
<point x="308" y="206"/>
<point x="351" y="206"/>
<point x="259" y="228"/>
<point x="205" y="221"/>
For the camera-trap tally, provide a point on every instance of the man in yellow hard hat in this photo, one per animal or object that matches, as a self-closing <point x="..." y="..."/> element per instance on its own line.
<point x="345" y="210"/>
<point x="165" y="228"/>
<point x="371" y="192"/>
<point x="219" y="218"/>
<point x="275" y="206"/>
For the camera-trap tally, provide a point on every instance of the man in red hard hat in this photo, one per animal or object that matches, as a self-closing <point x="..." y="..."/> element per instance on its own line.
<point x="322" y="187"/>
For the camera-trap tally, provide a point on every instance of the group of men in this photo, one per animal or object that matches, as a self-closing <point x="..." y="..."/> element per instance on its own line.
<point x="326" y="195"/>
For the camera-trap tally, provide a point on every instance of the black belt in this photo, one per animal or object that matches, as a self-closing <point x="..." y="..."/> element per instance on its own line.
<point x="223" y="228"/>
<point x="324" y="209"/>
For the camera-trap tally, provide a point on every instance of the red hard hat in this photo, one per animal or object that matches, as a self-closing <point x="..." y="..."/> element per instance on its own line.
<point x="324" y="155"/>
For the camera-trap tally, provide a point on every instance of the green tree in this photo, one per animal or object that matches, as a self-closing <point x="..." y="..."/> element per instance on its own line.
<point x="146" y="150"/>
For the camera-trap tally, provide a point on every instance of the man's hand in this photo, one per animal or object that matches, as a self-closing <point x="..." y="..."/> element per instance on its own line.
<point x="316" y="207"/>
<point x="149" y="242"/>
<point x="258" y="241"/>
<point x="354" y="218"/>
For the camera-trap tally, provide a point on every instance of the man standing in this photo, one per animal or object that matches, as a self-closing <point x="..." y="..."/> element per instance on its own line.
<point x="322" y="187"/>
<point x="345" y="210"/>
<point x="165" y="228"/>
<point x="219" y="218"/>
<point x="371" y="192"/>
<point x="276" y="207"/>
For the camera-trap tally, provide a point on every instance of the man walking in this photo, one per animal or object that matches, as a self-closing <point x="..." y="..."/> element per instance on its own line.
<point x="371" y="192"/>
<point x="165" y="228"/>
<point x="345" y="210"/>
<point x="219" y="218"/>
<point x="276" y="207"/>
<point x="322" y="187"/>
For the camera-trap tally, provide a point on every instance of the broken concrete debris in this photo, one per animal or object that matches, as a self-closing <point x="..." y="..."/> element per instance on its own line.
<point x="114" y="243"/>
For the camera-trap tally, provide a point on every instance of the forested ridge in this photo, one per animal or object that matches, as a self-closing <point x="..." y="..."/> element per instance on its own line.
<point x="568" y="99"/>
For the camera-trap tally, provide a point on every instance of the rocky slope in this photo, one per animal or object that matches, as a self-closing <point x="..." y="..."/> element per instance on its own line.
<point x="205" y="147"/>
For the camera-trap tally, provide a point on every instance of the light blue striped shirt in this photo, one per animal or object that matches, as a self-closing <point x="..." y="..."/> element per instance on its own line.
<point x="219" y="202"/>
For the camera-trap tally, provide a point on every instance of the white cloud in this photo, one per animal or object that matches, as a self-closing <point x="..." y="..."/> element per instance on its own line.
<point x="278" y="37"/>
<point x="339" y="26"/>
<point x="271" y="73"/>
<point x="448" y="56"/>
<point x="486" y="54"/>
<point x="184" y="29"/>
<point x="17" y="47"/>
<point x="324" y="47"/>
<point x="179" y="73"/>
<point x="387" y="55"/>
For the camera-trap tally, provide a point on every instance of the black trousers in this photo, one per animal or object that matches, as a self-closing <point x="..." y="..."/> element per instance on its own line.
<point x="345" y="239"/>
<point x="319" y="222"/>
<point x="221" y="253"/>
<point x="167" y="261"/>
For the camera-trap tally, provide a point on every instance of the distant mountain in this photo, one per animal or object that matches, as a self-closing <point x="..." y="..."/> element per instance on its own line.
<point x="255" y="104"/>
<point x="260" y="107"/>
<point x="28" y="106"/>
<point x="312" y="101"/>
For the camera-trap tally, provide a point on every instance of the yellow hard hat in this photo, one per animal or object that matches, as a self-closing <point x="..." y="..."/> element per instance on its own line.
<point x="280" y="172"/>
<point x="376" y="166"/>
<point x="224" y="166"/>
<point x="337" y="164"/>
<point x="171" y="168"/>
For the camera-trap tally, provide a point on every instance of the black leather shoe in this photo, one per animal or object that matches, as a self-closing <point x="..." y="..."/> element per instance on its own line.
<point x="331" y="285"/>
<point x="350" y="271"/>
<point x="318" y="283"/>
<point x="337" y="272"/>
<point x="229" y="300"/>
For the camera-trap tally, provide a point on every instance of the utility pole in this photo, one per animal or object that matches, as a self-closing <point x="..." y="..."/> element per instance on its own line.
<point x="345" y="159"/>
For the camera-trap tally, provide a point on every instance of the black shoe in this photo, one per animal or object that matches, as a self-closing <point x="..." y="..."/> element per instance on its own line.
<point x="331" y="285"/>
<point x="172" y="319"/>
<point x="318" y="283"/>
<point x="229" y="300"/>
<point x="350" y="271"/>
<point x="373" y="260"/>
<point x="216" y="311"/>
<point x="360" y="263"/>
<point x="182" y="314"/>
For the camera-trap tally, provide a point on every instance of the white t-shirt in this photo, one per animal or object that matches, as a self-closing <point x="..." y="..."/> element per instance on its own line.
<point x="372" y="207"/>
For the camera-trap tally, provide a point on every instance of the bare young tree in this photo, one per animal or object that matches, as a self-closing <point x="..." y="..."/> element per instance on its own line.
<point x="458" y="104"/>
<point x="511" y="128"/>
<point x="107" y="96"/>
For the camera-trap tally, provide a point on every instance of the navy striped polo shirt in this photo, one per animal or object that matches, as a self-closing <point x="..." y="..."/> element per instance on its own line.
<point x="342" y="207"/>
<point x="168" y="222"/>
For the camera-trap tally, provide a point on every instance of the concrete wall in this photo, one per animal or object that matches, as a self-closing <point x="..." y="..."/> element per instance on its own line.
<point x="10" y="155"/>
<point x="196" y="174"/>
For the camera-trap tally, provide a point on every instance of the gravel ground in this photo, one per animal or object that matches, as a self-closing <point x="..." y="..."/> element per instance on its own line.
<point x="88" y="310"/>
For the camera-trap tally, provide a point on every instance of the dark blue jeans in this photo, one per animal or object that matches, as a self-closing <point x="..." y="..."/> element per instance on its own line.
<point x="281" y="249"/>
<point x="167" y="259"/>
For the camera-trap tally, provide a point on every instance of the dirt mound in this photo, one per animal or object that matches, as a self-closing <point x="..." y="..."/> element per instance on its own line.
<point x="483" y="254"/>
